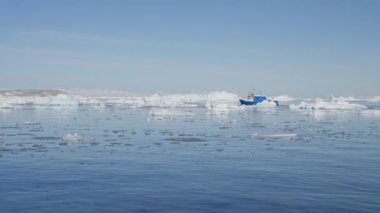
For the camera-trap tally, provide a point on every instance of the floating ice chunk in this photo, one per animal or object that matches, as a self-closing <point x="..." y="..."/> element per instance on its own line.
<point x="191" y="100"/>
<point x="10" y="98"/>
<point x="349" y="98"/>
<point x="99" y="93"/>
<point x="5" y="105"/>
<point x="287" y="136"/>
<point x="185" y="139"/>
<point x="266" y="104"/>
<point x="32" y="92"/>
<point x="375" y="99"/>
<point x="58" y="100"/>
<point x="221" y="96"/>
<point x="73" y="137"/>
<point x="284" y="98"/>
<point x="170" y="112"/>
<point x="328" y="105"/>
<point x="218" y="107"/>
<point x="31" y="123"/>
<point x="188" y="100"/>
<point x="371" y="112"/>
<point x="222" y="108"/>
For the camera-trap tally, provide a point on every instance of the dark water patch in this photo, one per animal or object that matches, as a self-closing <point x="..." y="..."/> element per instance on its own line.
<point x="31" y="124"/>
<point x="148" y="131"/>
<point x="115" y="143"/>
<point x="338" y="135"/>
<point x="3" y="149"/>
<point x="39" y="146"/>
<point x="185" y="139"/>
<point x="25" y="134"/>
<point x="26" y="149"/>
<point x="305" y="139"/>
<point x="10" y="127"/>
<point x="372" y="127"/>
<point x="40" y="149"/>
<point x="143" y="147"/>
<point x="120" y="131"/>
<point x="84" y="129"/>
<point x="124" y="131"/>
<point x="167" y="132"/>
<point x="343" y="135"/>
<point x="94" y="143"/>
<point x="224" y="127"/>
<point x="258" y="125"/>
<point x="36" y="130"/>
<point x="325" y="122"/>
<point x="185" y="135"/>
<point x="47" y="138"/>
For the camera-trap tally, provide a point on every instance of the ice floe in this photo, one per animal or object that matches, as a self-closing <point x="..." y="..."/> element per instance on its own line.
<point x="11" y="98"/>
<point x="73" y="138"/>
<point x="157" y="100"/>
<point x="222" y="108"/>
<point x="170" y="112"/>
<point x="370" y="112"/>
<point x="284" y="98"/>
<point x="266" y="104"/>
<point x="287" y="136"/>
<point x="327" y="105"/>
<point x="219" y="102"/>
<point x="375" y="99"/>
<point x="341" y="98"/>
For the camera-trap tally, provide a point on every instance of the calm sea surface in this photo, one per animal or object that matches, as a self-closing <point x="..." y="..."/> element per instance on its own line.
<point x="83" y="159"/>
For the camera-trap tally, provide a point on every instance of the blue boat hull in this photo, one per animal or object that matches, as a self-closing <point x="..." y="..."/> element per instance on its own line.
<point x="248" y="102"/>
<point x="258" y="99"/>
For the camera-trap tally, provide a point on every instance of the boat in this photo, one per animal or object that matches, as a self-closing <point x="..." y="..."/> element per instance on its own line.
<point x="253" y="99"/>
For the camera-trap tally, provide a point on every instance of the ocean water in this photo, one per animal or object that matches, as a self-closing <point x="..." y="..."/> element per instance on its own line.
<point x="77" y="152"/>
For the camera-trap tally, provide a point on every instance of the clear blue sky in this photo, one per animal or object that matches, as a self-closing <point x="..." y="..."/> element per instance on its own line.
<point x="301" y="48"/>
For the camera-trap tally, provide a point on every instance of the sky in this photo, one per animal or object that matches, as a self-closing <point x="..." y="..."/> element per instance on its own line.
<point x="294" y="47"/>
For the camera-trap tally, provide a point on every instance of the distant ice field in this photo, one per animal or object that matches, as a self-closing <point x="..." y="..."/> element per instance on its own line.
<point x="214" y="101"/>
<point x="112" y="151"/>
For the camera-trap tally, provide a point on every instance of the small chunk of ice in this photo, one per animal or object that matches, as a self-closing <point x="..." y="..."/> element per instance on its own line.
<point x="73" y="138"/>
<point x="287" y="136"/>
